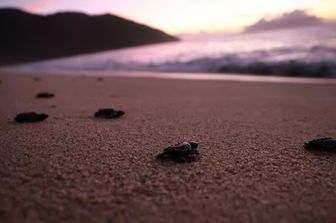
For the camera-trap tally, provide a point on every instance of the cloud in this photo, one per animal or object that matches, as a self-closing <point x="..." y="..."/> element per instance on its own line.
<point x="292" y="19"/>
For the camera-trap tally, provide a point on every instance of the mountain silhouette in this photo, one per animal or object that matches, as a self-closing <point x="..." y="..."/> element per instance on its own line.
<point x="294" y="19"/>
<point x="28" y="37"/>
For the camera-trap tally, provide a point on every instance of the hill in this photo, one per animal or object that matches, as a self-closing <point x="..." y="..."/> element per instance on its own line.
<point x="294" y="19"/>
<point x="28" y="37"/>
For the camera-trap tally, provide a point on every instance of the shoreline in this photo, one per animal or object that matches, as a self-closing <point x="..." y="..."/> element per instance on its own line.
<point x="182" y="76"/>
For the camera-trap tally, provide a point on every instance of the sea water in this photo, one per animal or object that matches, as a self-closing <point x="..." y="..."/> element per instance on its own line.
<point x="305" y="51"/>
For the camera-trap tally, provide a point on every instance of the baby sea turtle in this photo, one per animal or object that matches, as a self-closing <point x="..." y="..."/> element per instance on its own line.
<point x="180" y="152"/>
<point x="322" y="144"/>
<point x="108" y="113"/>
<point x="30" y="117"/>
<point x="45" y="95"/>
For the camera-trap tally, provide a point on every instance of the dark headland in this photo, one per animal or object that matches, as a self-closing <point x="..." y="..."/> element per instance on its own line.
<point x="28" y="37"/>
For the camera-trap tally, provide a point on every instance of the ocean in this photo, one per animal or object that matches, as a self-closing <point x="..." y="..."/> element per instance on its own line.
<point x="300" y="52"/>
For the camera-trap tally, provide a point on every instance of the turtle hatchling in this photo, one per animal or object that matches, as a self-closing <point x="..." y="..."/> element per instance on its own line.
<point x="180" y="152"/>
<point x="322" y="144"/>
<point x="28" y="117"/>
<point x="108" y="113"/>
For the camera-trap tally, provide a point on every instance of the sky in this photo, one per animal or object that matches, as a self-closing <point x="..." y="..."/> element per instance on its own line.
<point x="184" y="16"/>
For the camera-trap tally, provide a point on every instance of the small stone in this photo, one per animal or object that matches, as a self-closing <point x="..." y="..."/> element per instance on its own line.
<point x="28" y="117"/>
<point x="180" y="152"/>
<point x="108" y="113"/>
<point x="45" y="95"/>
<point x="322" y="144"/>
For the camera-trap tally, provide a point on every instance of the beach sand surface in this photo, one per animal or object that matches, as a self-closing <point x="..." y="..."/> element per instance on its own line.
<point x="253" y="167"/>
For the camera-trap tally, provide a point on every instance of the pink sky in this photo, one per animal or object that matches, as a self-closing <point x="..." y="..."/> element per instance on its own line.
<point x="180" y="16"/>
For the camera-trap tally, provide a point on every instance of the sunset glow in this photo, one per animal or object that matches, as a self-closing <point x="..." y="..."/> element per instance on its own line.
<point x="183" y="16"/>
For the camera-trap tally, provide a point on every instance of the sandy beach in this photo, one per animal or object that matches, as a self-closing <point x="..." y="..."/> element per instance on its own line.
<point x="253" y="167"/>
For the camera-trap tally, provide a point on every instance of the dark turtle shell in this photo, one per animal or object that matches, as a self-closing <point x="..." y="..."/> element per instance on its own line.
<point x="180" y="152"/>
<point x="322" y="144"/>
<point x="30" y="117"/>
<point x="181" y="148"/>
<point x="108" y="113"/>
